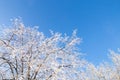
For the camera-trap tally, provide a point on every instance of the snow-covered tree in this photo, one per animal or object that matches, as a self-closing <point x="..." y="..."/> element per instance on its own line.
<point x="27" y="54"/>
<point x="104" y="71"/>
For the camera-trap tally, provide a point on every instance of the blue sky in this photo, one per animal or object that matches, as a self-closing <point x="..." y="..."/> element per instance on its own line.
<point x="97" y="21"/>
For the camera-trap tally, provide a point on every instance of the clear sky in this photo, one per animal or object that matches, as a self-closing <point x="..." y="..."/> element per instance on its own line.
<point x="97" y="21"/>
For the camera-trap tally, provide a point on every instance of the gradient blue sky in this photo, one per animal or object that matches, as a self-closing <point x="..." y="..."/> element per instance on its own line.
<point x="97" y="21"/>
